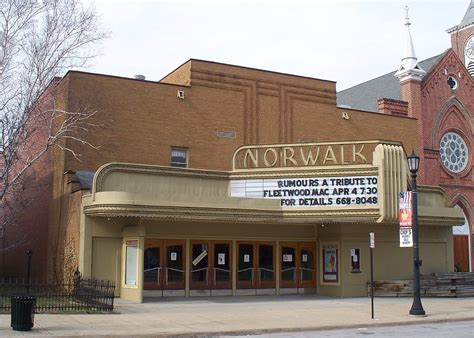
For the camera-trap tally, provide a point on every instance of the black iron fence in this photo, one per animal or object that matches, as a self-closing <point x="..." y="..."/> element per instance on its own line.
<point x="81" y="295"/>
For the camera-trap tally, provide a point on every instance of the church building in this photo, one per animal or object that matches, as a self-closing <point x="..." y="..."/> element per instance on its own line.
<point x="439" y="93"/>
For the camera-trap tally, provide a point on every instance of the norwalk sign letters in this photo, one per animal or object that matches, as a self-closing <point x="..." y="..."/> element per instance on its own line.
<point x="303" y="155"/>
<point x="351" y="191"/>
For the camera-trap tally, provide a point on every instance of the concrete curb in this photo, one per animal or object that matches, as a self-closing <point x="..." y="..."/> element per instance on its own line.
<point x="283" y="330"/>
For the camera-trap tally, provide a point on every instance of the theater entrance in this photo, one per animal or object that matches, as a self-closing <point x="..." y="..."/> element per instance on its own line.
<point x="298" y="265"/>
<point x="163" y="264"/>
<point x="211" y="265"/>
<point x="255" y="265"/>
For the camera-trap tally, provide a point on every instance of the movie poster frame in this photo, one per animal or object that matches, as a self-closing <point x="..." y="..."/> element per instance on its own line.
<point x="327" y="246"/>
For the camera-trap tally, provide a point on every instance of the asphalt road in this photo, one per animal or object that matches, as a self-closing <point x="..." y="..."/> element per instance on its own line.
<point x="431" y="330"/>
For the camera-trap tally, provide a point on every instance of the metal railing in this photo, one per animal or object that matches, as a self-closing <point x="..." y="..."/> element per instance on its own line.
<point x="261" y="273"/>
<point x="251" y="274"/>
<point x="205" y="275"/>
<point x="167" y="279"/>
<point x="158" y="273"/>
<point x="81" y="295"/>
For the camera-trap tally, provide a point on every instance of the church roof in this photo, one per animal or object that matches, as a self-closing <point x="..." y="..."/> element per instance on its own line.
<point x="364" y="96"/>
<point x="469" y="16"/>
<point x="467" y="20"/>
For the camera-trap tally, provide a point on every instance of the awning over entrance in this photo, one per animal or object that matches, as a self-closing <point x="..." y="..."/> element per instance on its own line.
<point x="278" y="189"/>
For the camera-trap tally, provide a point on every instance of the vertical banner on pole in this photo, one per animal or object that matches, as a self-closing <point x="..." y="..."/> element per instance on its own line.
<point x="406" y="216"/>
<point x="372" y="246"/>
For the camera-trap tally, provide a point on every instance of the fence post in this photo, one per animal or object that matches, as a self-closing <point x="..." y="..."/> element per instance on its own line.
<point x="28" y="274"/>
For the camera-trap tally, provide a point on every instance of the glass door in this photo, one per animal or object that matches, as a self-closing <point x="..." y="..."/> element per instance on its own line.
<point x="245" y="265"/>
<point x="174" y="264"/>
<point x="266" y="265"/>
<point x="307" y="265"/>
<point x="221" y="269"/>
<point x="200" y="255"/>
<point x="152" y="265"/>
<point x="289" y="265"/>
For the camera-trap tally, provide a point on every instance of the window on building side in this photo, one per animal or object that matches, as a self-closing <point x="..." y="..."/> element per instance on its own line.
<point x="452" y="82"/>
<point x="453" y="152"/>
<point x="179" y="157"/>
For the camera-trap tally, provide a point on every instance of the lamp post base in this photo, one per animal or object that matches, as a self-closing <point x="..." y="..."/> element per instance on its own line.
<point x="417" y="312"/>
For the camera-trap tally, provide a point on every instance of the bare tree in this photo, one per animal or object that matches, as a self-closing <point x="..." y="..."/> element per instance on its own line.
<point x="39" y="41"/>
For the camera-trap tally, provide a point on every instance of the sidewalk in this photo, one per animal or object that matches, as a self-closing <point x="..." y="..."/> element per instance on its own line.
<point x="243" y="315"/>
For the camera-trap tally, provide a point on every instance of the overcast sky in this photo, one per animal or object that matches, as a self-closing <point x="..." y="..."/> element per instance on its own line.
<point x="345" y="41"/>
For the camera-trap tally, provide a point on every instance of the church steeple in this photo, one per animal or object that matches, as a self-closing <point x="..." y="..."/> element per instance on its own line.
<point x="462" y="39"/>
<point x="409" y="69"/>
<point x="468" y="18"/>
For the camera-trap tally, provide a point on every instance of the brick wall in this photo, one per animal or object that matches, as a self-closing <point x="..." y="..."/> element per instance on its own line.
<point x="139" y="121"/>
<point x="28" y="201"/>
<point x="458" y="40"/>
<point x="447" y="110"/>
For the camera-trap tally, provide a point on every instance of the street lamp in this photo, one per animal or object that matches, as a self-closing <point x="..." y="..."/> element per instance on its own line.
<point x="416" y="308"/>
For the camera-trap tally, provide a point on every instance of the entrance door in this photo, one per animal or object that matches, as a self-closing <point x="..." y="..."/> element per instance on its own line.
<point x="153" y="265"/>
<point x="211" y="265"/>
<point x="266" y="265"/>
<point x="297" y="265"/>
<point x="255" y="265"/>
<point x="200" y="253"/>
<point x="461" y="253"/>
<point x="245" y="265"/>
<point x="289" y="266"/>
<point x="174" y="264"/>
<point x="163" y="264"/>
<point x="307" y="265"/>
<point x="222" y="265"/>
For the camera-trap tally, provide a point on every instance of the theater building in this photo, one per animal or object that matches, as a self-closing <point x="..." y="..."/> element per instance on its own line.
<point x="226" y="180"/>
<point x="287" y="219"/>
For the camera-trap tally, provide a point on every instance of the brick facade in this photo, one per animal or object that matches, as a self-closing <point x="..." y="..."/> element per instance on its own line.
<point x="440" y="109"/>
<point x="139" y="121"/>
<point x="458" y="39"/>
<point x="26" y="207"/>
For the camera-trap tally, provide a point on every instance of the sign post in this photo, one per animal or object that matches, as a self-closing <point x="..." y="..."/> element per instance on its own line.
<point x="372" y="246"/>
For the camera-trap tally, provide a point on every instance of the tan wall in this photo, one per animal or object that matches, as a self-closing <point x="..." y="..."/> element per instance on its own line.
<point x="106" y="260"/>
<point x="390" y="261"/>
<point x="180" y="76"/>
<point x="228" y="230"/>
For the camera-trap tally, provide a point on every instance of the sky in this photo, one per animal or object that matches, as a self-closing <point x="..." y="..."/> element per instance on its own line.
<point x="344" y="41"/>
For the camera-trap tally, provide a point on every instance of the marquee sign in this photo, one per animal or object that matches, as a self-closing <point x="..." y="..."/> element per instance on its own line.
<point x="349" y="191"/>
<point x="303" y="155"/>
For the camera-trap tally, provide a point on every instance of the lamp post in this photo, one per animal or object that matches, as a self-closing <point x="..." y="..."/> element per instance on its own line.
<point x="416" y="308"/>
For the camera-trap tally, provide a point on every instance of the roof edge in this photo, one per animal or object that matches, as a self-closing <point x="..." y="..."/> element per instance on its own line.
<point x="262" y="70"/>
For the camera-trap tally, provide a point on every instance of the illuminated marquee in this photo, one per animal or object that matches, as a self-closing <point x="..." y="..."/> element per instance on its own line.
<point x="352" y="191"/>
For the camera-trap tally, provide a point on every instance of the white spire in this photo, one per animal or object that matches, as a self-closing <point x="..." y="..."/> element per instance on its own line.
<point x="409" y="69"/>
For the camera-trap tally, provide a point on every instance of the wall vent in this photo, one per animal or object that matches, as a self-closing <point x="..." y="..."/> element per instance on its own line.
<point x="226" y="134"/>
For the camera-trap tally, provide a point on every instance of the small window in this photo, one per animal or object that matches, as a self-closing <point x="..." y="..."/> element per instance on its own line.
<point x="452" y="83"/>
<point x="179" y="157"/>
